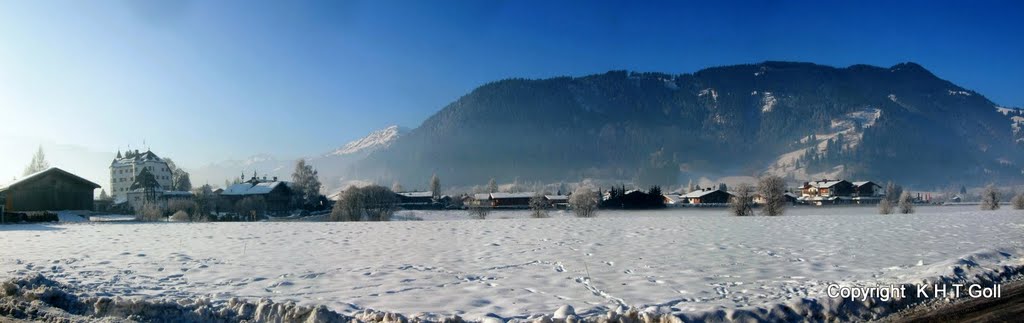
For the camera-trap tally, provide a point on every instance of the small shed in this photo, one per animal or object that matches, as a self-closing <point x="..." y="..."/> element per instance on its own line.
<point x="53" y="189"/>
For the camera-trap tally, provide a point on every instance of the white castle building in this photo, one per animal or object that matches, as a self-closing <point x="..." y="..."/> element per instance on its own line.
<point x="124" y="169"/>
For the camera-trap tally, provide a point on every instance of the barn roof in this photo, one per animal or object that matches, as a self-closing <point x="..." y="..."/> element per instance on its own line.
<point x="39" y="174"/>
<point x="511" y="195"/>
<point x="556" y="197"/>
<point x="701" y="193"/>
<point x="482" y="196"/>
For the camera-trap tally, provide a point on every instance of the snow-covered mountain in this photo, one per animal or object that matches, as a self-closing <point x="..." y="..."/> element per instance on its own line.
<point x="333" y="166"/>
<point x="375" y="140"/>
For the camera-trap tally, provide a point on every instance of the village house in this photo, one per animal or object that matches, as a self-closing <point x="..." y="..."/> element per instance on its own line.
<point x="511" y="200"/>
<point x="53" y="189"/>
<point x="415" y="200"/>
<point x="278" y="195"/>
<point x="828" y="191"/>
<point x="673" y="199"/>
<point x="867" y="192"/>
<point x="707" y="196"/>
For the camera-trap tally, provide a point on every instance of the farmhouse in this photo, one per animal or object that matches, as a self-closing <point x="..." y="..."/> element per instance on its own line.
<point x="53" y="189"/>
<point x="708" y="196"/>
<point x="511" y="200"/>
<point x="276" y="194"/>
<point x="867" y="192"/>
<point x="415" y="198"/>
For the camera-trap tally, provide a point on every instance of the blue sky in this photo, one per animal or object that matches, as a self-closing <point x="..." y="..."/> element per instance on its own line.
<point x="204" y="81"/>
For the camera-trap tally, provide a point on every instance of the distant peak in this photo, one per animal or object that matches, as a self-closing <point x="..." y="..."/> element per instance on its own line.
<point x="375" y="140"/>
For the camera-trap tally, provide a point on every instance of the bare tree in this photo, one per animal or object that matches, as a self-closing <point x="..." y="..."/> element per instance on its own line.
<point x="251" y="207"/>
<point x="38" y="163"/>
<point x="990" y="198"/>
<point x="370" y="203"/>
<point x="891" y="199"/>
<point x="1018" y="201"/>
<point x="584" y="202"/>
<point x="435" y="186"/>
<point x="892" y="192"/>
<point x="349" y="206"/>
<point x="885" y="206"/>
<point x="538" y="206"/>
<point x="773" y="189"/>
<point x="740" y="203"/>
<point x="379" y="202"/>
<point x="480" y="211"/>
<point x="150" y="212"/>
<point x="906" y="205"/>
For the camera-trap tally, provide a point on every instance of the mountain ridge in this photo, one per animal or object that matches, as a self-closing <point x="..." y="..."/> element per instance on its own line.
<point x="656" y="128"/>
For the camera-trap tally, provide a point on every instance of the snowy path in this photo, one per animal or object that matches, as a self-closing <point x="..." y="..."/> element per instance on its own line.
<point x="680" y="261"/>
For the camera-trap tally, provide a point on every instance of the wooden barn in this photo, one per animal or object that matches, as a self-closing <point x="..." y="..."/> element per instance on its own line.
<point x="53" y="189"/>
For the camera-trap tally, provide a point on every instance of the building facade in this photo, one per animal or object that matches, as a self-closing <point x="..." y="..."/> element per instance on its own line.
<point x="125" y="168"/>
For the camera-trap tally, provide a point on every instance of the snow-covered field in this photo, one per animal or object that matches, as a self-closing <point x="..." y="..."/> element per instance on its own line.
<point x="670" y="261"/>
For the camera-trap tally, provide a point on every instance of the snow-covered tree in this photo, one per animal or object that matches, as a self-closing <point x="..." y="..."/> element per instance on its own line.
<point x="397" y="187"/>
<point x="740" y="203"/>
<point x="1018" y="201"/>
<point x="584" y="202"/>
<point x="306" y="181"/>
<point x="892" y="192"/>
<point x="906" y="205"/>
<point x="492" y="186"/>
<point x="103" y="195"/>
<point x="435" y="186"/>
<point x="990" y="198"/>
<point x="773" y="189"/>
<point x="538" y="205"/>
<point x="885" y="206"/>
<point x="38" y="163"/>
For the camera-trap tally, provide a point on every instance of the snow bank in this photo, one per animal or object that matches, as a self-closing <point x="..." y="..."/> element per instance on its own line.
<point x="69" y="216"/>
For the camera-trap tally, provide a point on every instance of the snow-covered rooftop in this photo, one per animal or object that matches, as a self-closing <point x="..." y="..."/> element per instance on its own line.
<point x="701" y="193"/>
<point x="417" y="194"/>
<point x="511" y="195"/>
<point x="250" y="189"/>
<point x="45" y="171"/>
